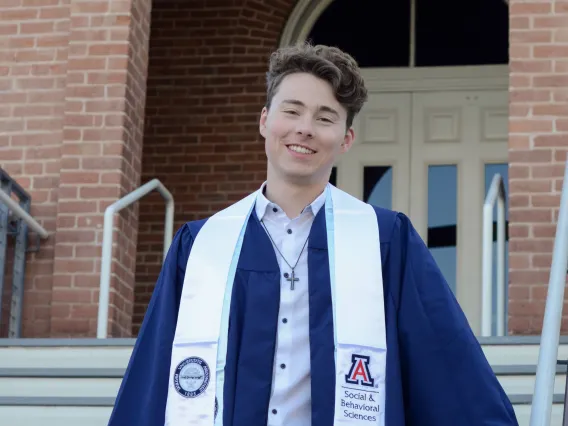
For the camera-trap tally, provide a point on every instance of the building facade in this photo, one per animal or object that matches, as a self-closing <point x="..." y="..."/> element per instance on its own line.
<point x="98" y="97"/>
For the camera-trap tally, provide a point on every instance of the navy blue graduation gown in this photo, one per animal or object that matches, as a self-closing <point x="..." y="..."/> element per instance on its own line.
<point x="437" y="374"/>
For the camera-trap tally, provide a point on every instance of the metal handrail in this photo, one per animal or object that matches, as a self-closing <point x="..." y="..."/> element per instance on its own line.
<point x="496" y="193"/>
<point x="22" y="214"/>
<point x="550" y="337"/>
<point x="106" y="259"/>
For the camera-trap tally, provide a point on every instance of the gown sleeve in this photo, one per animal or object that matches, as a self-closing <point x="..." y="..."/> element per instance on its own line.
<point x="447" y="380"/>
<point x="141" y="399"/>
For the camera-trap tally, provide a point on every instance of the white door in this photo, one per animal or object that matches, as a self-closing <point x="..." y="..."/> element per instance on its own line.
<point x="376" y="169"/>
<point x="455" y="135"/>
<point x="427" y="154"/>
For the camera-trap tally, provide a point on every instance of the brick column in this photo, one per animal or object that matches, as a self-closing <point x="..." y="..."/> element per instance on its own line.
<point x="33" y="62"/>
<point x="537" y="150"/>
<point x="100" y="161"/>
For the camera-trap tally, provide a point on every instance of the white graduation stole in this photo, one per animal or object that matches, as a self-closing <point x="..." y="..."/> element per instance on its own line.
<point x="195" y="393"/>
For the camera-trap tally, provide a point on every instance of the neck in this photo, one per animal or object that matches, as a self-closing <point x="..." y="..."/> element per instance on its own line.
<point x="292" y="198"/>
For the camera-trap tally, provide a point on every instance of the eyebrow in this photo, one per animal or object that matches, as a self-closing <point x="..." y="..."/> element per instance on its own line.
<point x="300" y="103"/>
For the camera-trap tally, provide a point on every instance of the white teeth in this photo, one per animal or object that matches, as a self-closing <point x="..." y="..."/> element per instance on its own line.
<point x="301" y="149"/>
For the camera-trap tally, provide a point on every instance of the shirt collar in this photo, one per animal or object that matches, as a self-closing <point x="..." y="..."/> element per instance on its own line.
<point x="263" y="204"/>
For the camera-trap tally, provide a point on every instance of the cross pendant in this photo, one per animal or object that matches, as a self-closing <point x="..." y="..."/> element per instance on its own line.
<point x="292" y="280"/>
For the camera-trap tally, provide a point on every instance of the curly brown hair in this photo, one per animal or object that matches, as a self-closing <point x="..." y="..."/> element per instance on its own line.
<point x="329" y="63"/>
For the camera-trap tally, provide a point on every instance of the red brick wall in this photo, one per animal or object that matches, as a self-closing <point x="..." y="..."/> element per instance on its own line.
<point x="73" y="95"/>
<point x="205" y="92"/>
<point x="33" y="66"/>
<point x="537" y="151"/>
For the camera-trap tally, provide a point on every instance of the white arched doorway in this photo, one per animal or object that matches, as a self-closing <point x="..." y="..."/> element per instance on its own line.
<point x="428" y="142"/>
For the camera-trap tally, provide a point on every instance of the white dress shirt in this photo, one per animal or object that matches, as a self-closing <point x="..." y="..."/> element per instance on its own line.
<point x="290" y="399"/>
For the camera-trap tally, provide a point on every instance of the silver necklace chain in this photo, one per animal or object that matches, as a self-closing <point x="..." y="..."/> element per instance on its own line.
<point x="293" y="278"/>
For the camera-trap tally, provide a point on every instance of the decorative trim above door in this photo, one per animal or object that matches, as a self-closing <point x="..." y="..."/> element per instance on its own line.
<point x="484" y="77"/>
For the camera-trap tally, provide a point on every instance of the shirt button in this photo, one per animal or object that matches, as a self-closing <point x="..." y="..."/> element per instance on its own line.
<point x="282" y="366"/>
<point x="286" y="275"/>
<point x="289" y="231"/>
<point x="284" y="320"/>
<point x="274" y="411"/>
<point x="274" y="209"/>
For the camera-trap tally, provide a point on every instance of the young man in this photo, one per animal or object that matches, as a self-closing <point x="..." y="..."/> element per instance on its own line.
<point x="301" y="305"/>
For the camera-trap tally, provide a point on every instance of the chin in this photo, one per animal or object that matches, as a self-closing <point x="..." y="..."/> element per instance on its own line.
<point x="304" y="177"/>
<point x="296" y="173"/>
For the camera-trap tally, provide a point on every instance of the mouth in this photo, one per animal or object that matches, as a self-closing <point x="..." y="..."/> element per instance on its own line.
<point x="300" y="149"/>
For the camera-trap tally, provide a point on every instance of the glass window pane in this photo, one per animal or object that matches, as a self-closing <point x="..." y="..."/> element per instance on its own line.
<point x="376" y="34"/>
<point x="490" y="171"/>
<point x="476" y="35"/>
<point x="377" y="186"/>
<point x="442" y="219"/>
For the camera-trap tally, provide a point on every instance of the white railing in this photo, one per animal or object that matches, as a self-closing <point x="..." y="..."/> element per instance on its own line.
<point x="22" y="214"/>
<point x="496" y="194"/>
<point x="106" y="259"/>
<point x="550" y="337"/>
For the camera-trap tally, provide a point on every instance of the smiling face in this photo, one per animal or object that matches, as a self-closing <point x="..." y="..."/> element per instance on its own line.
<point x="305" y="130"/>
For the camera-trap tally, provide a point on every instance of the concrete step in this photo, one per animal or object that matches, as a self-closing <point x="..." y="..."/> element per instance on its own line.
<point x="60" y="382"/>
<point x="46" y="414"/>
<point x="517" y="350"/>
<point x="65" y="354"/>
<point x="71" y="382"/>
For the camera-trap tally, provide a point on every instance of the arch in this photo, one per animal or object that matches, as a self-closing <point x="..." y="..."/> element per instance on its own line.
<point x="317" y="20"/>
<point x="301" y="21"/>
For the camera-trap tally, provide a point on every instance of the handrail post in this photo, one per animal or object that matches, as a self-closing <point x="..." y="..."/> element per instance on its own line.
<point x="496" y="193"/>
<point x="106" y="255"/>
<point x="17" y="211"/>
<point x="501" y="219"/>
<point x="168" y="226"/>
<point x="550" y="337"/>
<point x="106" y="262"/>
<point x="487" y="269"/>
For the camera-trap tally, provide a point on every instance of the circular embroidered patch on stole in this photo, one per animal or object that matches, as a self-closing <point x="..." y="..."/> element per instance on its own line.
<point x="191" y="377"/>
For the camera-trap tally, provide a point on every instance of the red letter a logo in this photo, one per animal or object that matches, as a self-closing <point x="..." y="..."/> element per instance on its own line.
<point x="359" y="373"/>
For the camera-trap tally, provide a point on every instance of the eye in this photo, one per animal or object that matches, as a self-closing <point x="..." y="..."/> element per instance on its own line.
<point x="325" y="119"/>
<point x="291" y="111"/>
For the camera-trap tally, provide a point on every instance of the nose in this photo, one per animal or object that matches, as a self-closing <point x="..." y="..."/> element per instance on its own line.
<point x="305" y="128"/>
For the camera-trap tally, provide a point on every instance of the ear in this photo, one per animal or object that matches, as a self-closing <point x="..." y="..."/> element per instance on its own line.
<point x="348" y="140"/>
<point x="262" y="122"/>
